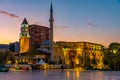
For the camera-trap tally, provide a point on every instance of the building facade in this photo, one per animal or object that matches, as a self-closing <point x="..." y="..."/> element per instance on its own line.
<point x="38" y="34"/>
<point x="82" y="54"/>
<point x="14" y="47"/>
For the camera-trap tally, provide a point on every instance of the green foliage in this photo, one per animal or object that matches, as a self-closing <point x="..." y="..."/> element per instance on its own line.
<point x="114" y="45"/>
<point x="112" y="56"/>
<point x="6" y="56"/>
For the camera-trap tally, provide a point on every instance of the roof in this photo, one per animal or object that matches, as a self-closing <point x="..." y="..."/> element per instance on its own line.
<point x="25" y="21"/>
<point x="39" y="52"/>
<point x="41" y="62"/>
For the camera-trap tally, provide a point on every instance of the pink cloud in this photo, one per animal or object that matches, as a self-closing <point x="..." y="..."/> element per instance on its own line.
<point x="63" y="27"/>
<point x="91" y="25"/>
<point x="9" y="14"/>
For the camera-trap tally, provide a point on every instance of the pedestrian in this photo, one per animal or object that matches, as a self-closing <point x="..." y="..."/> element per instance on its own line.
<point x="62" y="68"/>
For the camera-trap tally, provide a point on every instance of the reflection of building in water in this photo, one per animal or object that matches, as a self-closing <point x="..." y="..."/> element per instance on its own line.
<point x="77" y="74"/>
<point x="79" y="53"/>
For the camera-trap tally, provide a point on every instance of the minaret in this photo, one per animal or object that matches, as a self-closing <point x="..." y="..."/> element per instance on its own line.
<point x="51" y="20"/>
<point x="24" y="37"/>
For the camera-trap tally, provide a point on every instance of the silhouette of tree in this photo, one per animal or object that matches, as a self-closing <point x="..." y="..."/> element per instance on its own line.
<point x="113" y="54"/>
<point x="6" y="56"/>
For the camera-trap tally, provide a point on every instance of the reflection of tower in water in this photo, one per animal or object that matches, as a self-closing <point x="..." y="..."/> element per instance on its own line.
<point x="68" y="75"/>
<point x="77" y="74"/>
<point x="73" y="74"/>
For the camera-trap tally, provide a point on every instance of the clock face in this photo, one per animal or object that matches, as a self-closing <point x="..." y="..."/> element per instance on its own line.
<point x="22" y="29"/>
<point x="26" y="29"/>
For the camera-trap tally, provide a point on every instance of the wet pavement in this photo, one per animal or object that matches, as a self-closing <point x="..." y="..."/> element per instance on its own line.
<point x="59" y="75"/>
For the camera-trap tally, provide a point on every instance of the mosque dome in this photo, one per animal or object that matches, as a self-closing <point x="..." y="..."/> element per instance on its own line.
<point x="46" y="42"/>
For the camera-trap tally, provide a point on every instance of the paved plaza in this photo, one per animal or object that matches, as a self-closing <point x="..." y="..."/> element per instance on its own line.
<point x="58" y="75"/>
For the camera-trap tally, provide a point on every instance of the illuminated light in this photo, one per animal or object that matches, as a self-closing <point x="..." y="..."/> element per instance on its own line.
<point x="77" y="74"/>
<point x="110" y="50"/>
<point x="65" y="53"/>
<point x="45" y="72"/>
<point x="16" y="61"/>
<point x="68" y="75"/>
<point x="91" y="57"/>
<point x="9" y="62"/>
<point x="45" y="66"/>
<point x="114" y="51"/>
<point x="26" y="60"/>
<point x="23" y="60"/>
<point x="77" y="61"/>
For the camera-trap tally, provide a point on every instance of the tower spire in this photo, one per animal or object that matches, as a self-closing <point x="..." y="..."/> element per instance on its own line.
<point x="51" y="9"/>
<point x="25" y="21"/>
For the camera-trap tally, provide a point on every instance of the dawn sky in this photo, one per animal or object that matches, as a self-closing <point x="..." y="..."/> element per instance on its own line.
<point x="96" y="21"/>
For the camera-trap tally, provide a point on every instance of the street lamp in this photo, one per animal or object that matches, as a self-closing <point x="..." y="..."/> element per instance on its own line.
<point x="19" y="58"/>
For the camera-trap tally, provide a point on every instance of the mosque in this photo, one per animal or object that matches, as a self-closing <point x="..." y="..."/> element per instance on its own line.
<point x="74" y="54"/>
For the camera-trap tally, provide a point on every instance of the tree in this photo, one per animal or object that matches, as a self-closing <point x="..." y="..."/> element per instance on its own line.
<point x="6" y="56"/>
<point x="114" y="56"/>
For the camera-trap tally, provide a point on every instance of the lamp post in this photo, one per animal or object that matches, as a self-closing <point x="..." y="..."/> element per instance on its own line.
<point x="19" y="59"/>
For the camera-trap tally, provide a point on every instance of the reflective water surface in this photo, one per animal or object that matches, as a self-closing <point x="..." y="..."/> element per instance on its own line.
<point x="58" y="75"/>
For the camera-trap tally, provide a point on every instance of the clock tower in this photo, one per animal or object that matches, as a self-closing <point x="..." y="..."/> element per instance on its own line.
<point x="24" y="37"/>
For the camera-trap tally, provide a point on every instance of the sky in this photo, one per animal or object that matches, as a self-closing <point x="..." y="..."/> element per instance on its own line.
<point x="96" y="21"/>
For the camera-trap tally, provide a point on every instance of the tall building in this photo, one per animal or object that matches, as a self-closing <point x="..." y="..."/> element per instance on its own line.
<point x="14" y="47"/>
<point x="51" y="20"/>
<point x="24" y="37"/>
<point x="38" y="34"/>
